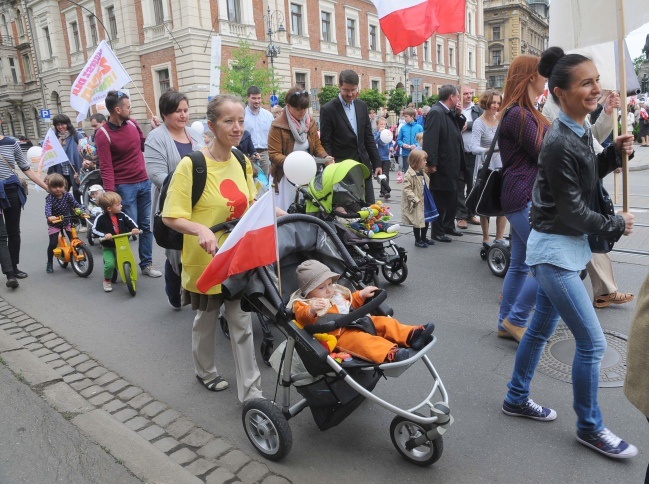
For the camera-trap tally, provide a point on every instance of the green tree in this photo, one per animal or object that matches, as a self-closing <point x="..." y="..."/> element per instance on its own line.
<point x="281" y="98"/>
<point x="248" y="70"/>
<point x="432" y="99"/>
<point x="327" y="93"/>
<point x="637" y="64"/>
<point x="373" y="98"/>
<point x="397" y="100"/>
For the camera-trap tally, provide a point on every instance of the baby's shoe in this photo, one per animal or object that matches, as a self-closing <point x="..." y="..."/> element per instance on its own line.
<point x="49" y="268"/>
<point x="421" y="336"/>
<point x="108" y="287"/>
<point x="400" y="177"/>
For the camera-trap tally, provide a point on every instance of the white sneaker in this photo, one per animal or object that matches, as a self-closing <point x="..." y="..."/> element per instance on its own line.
<point x="108" y="287"/>
<point x="151" y="272"/>
<point x="83" y="229"/>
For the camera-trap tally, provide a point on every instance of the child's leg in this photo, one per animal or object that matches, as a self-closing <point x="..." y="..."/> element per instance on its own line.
<point x="386" y="172"/>
<point x="110" y="262"/>
<point x="54" y="241"/>
<point x="364" y="345"/>
<point x="417" y="232"/>
<point x="392" y="330"/>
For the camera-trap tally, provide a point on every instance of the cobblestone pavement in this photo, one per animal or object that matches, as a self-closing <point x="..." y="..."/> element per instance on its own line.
<point x="100" y="402"/>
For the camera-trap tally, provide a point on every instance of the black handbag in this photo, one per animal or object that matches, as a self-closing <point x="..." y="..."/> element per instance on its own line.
<point x="484" y="197"/>
<point x="601" y="203"/>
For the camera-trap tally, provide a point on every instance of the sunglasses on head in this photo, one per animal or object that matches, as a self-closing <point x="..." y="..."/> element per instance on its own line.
<point x="300" y="93"/>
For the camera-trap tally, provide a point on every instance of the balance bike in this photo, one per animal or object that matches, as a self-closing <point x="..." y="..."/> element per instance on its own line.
<point x="75" y="251"/>
<point x="126" y="261"/>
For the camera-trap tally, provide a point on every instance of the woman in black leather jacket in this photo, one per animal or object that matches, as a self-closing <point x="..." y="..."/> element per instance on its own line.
<point x="557" y="249"/>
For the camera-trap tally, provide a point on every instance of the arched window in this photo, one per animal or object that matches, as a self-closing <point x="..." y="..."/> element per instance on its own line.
<point x="37" y="123"/>
<point x="6" y="38"/>
<point x="19" y="23"/>
<point x="56" y="101"/>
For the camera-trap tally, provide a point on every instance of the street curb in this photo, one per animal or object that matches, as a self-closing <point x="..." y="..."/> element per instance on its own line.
<point x="639" y="167"/>
<point x="155" y="442"/>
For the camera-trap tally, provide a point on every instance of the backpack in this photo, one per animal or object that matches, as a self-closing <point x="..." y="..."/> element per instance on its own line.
<point x="165" y="236"/>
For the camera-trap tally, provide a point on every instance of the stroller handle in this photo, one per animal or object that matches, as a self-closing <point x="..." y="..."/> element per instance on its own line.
<point x="346" y="319"/>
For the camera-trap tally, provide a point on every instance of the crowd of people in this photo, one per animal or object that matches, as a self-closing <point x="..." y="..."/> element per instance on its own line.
<point x="545" y="201"/>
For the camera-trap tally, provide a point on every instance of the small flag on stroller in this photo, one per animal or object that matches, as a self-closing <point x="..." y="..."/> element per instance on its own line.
<point x="430" y="209"/>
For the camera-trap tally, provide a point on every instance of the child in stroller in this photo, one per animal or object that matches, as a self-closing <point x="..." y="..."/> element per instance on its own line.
<point x="332" y="390"/>
<point x="318" y="295"/>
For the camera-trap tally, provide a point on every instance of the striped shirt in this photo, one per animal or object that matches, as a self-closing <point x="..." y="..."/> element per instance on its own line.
<point x="10" y="155"/>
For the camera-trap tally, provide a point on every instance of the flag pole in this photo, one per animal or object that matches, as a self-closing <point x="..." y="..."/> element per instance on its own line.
<point x="621" y="29"/>
<point x="142" y="96"/>
<point x="279" y="272"/>
<point x="462" y="64"/>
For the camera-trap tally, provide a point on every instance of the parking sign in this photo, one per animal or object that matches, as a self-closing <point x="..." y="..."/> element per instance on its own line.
<point x="46" y="113"/>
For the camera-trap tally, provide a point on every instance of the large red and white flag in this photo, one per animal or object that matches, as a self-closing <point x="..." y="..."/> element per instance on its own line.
<point x="252" y="243"/>
<point x="408" y="23"/>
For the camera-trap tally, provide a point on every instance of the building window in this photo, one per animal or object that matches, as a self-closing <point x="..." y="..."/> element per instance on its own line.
<point x="112" y="22"/>
<point x="164" y="82"/>
<point x="92" y="27"/>
<point x="329" y="80"/>
<point x="6" y="38"/>
<point x="496" y="57"/>
<point x="469" y="23"/>
<point x="326" y="26"/>
<point x="471" y="66"/>
<point x="373" y="39"/>
<point x="495" y="33"/>
<point x="351" y="32"/>
<point x="451" y="57"/>
<point x="440" y="56"/>
<point x="27" y="67"/>
<point x="296" y="19"/>
<point x="48" y="41"/>
<point x="427" y="51"/>
<point x="74" y="28"/>
<point x="376" y="84"/>
<point x="496" y="81"/>
<point x="300" y="80"/>
<point x="19" y="23"/>
<point x="234" y="11"/>
<point x="14" y="72"/>
<point x="158" y="12"/>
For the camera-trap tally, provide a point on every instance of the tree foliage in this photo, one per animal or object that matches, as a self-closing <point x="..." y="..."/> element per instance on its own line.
<point x="247" y="71"/>
<point x="327" y="93"/>
<point x="397" y="100"/>
<point x="637" y="64"/>
<point x="373" y="98"/>
<point x="432" y="99"/>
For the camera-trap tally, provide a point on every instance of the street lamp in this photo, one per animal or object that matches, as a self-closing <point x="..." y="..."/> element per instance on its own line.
<point x="275" y="22"/>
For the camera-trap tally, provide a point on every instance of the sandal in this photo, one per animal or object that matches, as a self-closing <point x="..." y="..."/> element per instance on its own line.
<point x="215" y="385"/>
<point x="616" y="297"/>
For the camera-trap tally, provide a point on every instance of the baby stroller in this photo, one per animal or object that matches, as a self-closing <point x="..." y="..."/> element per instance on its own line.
<point x="330" y="389"/>
<point x="341" y="185"/>
<point x="88" y="179"/>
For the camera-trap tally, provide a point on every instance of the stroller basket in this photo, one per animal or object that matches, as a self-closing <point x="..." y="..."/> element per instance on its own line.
<point x="331" y="399"/>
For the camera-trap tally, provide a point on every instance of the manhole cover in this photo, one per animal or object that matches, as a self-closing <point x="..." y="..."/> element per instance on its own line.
<point x="557" y="357"/>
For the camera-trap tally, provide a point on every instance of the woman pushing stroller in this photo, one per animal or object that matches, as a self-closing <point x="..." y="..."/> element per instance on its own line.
<point x="319" y="295"/>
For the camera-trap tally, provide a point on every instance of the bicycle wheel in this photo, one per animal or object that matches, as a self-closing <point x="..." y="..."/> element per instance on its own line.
<point x="62" y="263"/>
<point x="127" y="278"/>
<point x="82" y="262"/>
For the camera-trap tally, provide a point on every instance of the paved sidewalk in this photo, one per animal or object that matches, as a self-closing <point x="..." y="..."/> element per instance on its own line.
<point x="66" y="418"/>
<point x="640" y="160"/>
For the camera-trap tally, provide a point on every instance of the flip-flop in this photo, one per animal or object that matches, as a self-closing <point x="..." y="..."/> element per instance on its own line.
<point x="216" y="385"/>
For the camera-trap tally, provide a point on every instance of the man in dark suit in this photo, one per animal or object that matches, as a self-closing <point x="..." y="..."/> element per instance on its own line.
<point x="445" y="149"/>
<point x="346" y="130"/>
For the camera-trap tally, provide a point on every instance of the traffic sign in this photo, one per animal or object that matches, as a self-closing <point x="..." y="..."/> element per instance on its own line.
<point x="274" y="100"/>
<point x="46" y="113"/>
<point x="417" y="96"/>
<point x="416" y="81"/>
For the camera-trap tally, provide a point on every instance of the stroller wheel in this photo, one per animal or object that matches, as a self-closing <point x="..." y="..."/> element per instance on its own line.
<point x="267" y="428"/>
<point x="370" y="277"/>
<point x="498" y="257"/>
<point x="405" y="435"/>
<point x="395" y="272"/>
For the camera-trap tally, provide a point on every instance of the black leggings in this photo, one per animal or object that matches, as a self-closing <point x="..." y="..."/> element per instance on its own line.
<point x="12" y="224"/>
<point x="54" y="241"/>
<point x="420" y="233"/>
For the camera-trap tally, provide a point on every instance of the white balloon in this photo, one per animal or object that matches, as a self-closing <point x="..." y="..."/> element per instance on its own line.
<point x="34" y="154"/>
<point x="386" y="136"/>
<point x="198" y="127"/>
<point x="299" y="167"/>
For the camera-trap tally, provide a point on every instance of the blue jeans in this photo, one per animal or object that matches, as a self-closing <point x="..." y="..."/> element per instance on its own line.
<point x="136" y="203"/>
<point x="520" y="287"/>
<point x="562" y="294"/>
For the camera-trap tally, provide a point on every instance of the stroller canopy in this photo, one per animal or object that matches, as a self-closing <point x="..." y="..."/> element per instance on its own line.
<point x="339" y="184"/>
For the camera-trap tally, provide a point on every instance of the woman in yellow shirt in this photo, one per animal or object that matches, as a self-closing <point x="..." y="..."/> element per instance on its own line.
<point x="227" y="195"/>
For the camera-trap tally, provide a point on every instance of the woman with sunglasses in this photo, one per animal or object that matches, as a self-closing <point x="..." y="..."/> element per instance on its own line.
<point x="292" y="130"/>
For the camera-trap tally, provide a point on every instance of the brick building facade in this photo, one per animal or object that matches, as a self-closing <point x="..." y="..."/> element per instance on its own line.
<point x="166" y="44"/>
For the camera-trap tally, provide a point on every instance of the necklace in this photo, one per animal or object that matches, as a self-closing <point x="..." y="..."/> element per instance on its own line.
<point x="209" y="149"/>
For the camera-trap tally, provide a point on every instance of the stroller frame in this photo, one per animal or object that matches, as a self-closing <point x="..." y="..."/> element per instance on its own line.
<point x="416" y="436"/>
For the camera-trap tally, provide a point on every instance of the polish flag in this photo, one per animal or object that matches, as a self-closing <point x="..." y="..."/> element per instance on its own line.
<point x="252" y="243"/>
<point x="408" y="23"/>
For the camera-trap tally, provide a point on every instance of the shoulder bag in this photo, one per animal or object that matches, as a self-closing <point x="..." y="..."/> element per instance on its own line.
<point x="484" y="198"/>
<point x="601" y="203"/>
